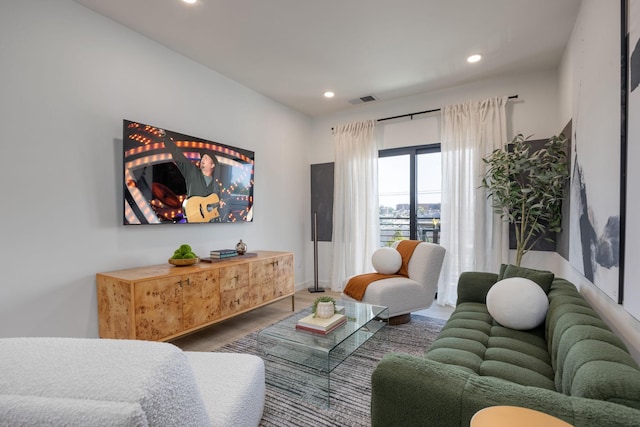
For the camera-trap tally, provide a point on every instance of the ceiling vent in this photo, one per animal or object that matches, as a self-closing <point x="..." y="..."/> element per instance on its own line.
<point x="363" y="99"/>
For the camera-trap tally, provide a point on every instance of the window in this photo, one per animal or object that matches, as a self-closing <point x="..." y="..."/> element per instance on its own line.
<point x="409" y="188"/>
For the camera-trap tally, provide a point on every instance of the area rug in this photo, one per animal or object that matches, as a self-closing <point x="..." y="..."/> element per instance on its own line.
<point x="289" y="403"/>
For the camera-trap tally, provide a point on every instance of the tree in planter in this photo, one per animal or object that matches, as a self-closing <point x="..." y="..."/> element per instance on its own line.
<point x="527" y="188"/>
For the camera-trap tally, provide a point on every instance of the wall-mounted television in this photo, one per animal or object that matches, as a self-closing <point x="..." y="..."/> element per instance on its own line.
<point x="173" y="178"/>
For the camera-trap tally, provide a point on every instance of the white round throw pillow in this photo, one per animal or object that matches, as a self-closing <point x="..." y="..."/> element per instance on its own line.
<point x="517" y="303"/>
<point x="386" y="260"/>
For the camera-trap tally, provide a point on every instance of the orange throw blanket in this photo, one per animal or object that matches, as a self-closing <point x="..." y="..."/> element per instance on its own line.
<point x="357" y="285"/>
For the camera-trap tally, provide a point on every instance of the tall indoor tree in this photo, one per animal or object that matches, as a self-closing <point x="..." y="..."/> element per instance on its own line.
<point x="527" y="188"/>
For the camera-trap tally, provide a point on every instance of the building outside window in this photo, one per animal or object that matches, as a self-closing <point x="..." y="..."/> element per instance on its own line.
<point x="409" y="189"/>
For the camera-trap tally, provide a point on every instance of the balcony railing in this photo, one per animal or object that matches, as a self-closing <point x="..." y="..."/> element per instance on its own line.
<point x="392" y="229"/>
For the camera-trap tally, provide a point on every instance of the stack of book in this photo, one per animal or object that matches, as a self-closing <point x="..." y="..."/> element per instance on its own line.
<point x="223" y="253"/>
<point x="321" y="326"/>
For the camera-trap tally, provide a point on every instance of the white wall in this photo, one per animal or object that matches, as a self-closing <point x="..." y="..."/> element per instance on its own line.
<point x="582" y="64"/>
<point x="534" y="112"/>
<point x="69" y="77"/>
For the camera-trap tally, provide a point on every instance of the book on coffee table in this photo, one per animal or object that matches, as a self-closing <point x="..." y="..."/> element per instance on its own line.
<point x="321" y="326"/>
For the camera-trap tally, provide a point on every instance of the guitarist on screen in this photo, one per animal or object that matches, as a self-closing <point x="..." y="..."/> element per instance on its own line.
<point x="203" y="203"/>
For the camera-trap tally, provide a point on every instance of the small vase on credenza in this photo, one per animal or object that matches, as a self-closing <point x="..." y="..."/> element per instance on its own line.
<point x="241" y="247"/>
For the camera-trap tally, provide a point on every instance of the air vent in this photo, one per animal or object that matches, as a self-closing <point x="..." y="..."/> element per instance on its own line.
<point x="363" y="99"/>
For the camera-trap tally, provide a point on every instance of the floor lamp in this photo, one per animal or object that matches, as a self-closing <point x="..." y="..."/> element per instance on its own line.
<point x="315" y="287"/>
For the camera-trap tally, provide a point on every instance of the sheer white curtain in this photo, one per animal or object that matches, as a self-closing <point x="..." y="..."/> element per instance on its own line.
<point x="475" y="238"/>
<point x="355" y="201"/>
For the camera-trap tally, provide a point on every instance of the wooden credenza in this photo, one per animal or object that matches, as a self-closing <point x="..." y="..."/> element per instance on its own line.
<point x="162" y="302"/>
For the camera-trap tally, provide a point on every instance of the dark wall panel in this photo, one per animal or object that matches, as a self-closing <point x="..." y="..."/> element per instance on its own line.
<point x="322" y="200"/>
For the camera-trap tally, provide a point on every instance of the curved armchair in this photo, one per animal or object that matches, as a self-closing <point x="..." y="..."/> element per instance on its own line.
<point x="404" y="295"/>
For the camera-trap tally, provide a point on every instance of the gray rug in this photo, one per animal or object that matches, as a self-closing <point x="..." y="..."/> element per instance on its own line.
<point x="289" y="402"/>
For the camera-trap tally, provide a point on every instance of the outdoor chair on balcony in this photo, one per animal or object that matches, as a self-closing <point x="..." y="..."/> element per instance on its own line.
<point x="405" y="281"/>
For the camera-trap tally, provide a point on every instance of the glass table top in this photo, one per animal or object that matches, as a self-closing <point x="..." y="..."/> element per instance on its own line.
<point x="317" y="351"/>
<point x="358" y="316"/>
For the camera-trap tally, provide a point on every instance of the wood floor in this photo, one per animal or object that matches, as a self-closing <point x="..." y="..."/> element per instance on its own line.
<point x="218" y="335"/>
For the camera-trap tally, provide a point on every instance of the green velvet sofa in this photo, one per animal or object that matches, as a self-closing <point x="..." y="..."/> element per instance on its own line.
<point x="572" y="366"/>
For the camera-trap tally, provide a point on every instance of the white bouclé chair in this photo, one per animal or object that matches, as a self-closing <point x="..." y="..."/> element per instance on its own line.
<point x="404" y="295"/>
<point x="103" y="382"/>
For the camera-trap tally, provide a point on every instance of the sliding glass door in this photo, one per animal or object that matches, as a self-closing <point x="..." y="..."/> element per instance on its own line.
<point x="409" y="186"/>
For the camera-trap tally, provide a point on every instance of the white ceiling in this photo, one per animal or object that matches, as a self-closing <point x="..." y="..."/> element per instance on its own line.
<point x="295" y="50"/>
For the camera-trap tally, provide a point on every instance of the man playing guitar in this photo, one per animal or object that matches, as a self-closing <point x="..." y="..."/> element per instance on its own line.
<point x="203" y="202"/>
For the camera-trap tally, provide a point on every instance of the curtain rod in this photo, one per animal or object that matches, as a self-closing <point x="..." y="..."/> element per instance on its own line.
<point x="423" y="112"/>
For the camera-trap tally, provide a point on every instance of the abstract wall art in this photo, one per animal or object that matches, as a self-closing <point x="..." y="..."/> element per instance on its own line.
<point x="595" y="199"/>
<point x="631" y="288"/>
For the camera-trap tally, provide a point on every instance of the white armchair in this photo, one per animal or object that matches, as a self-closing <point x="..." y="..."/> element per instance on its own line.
<point x="404" y="295"/>
<point x="103" y="382"/>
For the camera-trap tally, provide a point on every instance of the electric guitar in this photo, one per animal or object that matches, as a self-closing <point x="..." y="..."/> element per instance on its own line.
<point x="202" y="209"/>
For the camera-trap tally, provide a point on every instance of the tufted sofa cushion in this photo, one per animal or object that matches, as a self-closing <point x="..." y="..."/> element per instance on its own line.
<point x="472" y="340"/>
<point x="589" y="359"/>
<point x="574" y="352"/>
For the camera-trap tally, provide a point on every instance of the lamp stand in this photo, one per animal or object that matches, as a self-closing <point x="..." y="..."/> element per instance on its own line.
<point x="315" y="287"/>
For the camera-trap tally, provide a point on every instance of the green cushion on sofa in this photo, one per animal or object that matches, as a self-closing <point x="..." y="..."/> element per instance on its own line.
<point x="457" y="343"/>
<point x="561" y="308"/>
<point x="520" y="359"/>
<point x="589" y="354"/>
<point x="465" y="360"/>
<point x="503" y="268"/>
<point x="521" y="346"/>
<point x="561" y="300"/>
<point x="578" y="333"/>
<point x="468" y="324"/>
<point x="565" y="322"/>
<point x="465" y="333"/>
<point x="608" y="381"/>
<point x="542" y="278"/>
<point x="516" y="374"/>
<point x="532" y="336"/>
<point x="483" y="316"/>
<point x="561" y="286"/>
<point x="473" y="286"/>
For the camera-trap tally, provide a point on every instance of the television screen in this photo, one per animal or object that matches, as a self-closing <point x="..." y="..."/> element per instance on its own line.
<point x="172" y="178"/>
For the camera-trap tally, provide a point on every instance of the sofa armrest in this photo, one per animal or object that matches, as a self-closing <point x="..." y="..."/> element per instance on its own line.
<point x="155" y="376"/>
<point x="409" y="390"/>
<point x="474" y="285"/>
<point x="16" y="410"/>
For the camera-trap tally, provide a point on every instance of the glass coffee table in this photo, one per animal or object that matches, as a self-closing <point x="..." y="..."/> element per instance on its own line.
<point x="311" y="356"/>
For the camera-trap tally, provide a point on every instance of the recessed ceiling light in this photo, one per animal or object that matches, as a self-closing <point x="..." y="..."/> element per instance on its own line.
<point x="329" y="94"/>
<point x="474" y="58"/>
<point x="190" y="1"/>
